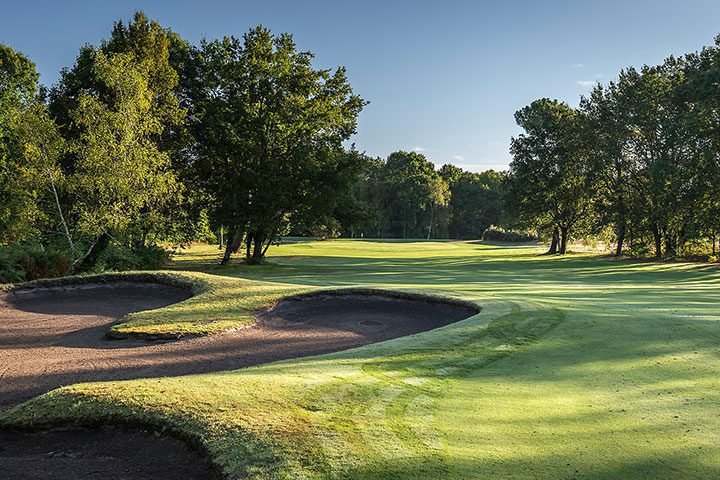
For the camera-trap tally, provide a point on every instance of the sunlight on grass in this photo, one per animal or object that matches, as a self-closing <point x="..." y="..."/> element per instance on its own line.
<point x="576" y="367"/>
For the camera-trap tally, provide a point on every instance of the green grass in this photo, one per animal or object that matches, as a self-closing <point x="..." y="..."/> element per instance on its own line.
<point x="576" y="367"/>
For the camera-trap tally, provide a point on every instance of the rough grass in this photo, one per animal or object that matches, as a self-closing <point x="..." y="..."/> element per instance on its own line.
<point x="576" y="367"/>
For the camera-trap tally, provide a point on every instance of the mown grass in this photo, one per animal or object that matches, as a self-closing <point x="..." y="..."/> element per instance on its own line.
<point x="576" y="367"/>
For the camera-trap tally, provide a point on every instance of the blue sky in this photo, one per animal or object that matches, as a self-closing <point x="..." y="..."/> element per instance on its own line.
<point x="443" y="77"/>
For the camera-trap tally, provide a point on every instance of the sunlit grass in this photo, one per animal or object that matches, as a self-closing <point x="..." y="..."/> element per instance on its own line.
<point x="576" y="367"/>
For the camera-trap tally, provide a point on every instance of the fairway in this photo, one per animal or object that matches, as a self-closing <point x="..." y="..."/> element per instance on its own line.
<point x="576" y="367"/>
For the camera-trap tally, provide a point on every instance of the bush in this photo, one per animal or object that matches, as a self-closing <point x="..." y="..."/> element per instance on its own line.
<point x="20" y="263"/>
<point x="119" y="258"/>
<point x="498" y="234"/>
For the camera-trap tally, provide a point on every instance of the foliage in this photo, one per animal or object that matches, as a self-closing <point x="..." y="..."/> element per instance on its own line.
<point x="120" y="174"/>
<point x="640" y="156"/>
<point x="21" y="262"/>
<point x="499" y="234"/>
<point x="270" y="129"/>
<point x="119" y="258"/>
<point x="476" y="203"/>
<point x="18" y="90"/>
<point x="548" y="173"/>
<point x="118" y="108"/>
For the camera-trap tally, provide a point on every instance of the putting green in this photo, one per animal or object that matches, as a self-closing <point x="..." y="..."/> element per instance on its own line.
<point x="576" y="367"/>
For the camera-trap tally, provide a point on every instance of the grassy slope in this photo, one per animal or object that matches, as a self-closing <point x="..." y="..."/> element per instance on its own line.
<point x="581" y="367"/>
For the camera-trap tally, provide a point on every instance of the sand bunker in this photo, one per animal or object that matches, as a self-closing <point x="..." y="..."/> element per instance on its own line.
<point x="99" y="454"/>
<point x="374" y="315"/>
<point x="54" y="337"/>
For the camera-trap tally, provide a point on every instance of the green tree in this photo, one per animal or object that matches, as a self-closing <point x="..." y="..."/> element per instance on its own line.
<point x="120" y="174"/>
<point x="413" y="190"/>
<point x="701" y="90"/>
<point x="162" y="53"/>
<point x="42" y="148"/>
<point x="477" y="201"/>
<point x="548" y="174"/>
<point x="151" y="45"/>
<point x="270" y="129"/>
<point x="657" y="146"/>
<point x="18" y="88"/>
<point x="612" y="168"/>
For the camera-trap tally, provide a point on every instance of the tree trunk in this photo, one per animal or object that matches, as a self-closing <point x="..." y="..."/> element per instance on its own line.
<point x="658" y="241"/>
<point x="91" y="257"/>
<point x="236" y="241"/>
<point x="621" y="229"/>
<point x="670" y="243"/>
<point x="554" y="242"/>
<point x="60" y="212"/>
<point x="220" y="244"/>
<point x="258" y="243"/>
<point x="267" y="245"/>
<point x="713" y="244"/>
<point x="432" y="215"/>
<point x="248" y="246"/>
<point x="228" y="248"/>
<point x="563" y="240"/>
<point x="681" y="241"/>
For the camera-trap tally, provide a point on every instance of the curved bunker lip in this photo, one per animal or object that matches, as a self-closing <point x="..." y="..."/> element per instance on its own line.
<point x="301" y="325"/>
<point x="374" y="314"/>
<point x="111" y="299"/>
<point x="101" y="452"/>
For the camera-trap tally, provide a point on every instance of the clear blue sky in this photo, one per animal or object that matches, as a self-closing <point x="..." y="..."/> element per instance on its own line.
<point x="444" y="77"/>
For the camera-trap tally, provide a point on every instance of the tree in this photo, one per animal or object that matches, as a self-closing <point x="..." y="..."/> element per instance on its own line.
<point x="477" y="201"/>
<point x="119" y="173"/>
<point x="612" y="168"/>
<point x="413" y="190"/>
<point x="42" y="148"/>
<point x="162" y="53"/>
<point x="18" y="92"/>
<point x="438" y="197"/>
<point x="548" y="174"/>
<point x="270" y="129"/>
<point x="369" y="213"/>
<point x="149" y="43"/>
<point x="701" y="90"/>
<point x="656" y="145"/>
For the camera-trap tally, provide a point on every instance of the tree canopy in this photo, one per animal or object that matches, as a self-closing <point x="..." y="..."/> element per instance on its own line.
<point x="269" y="130"/>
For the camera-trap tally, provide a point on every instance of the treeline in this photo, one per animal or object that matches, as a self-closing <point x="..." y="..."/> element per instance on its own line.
<point x="637" y="163"/>
<point x="404" y="196"/>
<point x="147" y="140"/>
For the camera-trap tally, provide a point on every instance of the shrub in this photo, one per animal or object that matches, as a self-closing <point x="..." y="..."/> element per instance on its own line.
<point x="28" y="262"/>
<point x="119" y="258"/>
<point x="498" y="234"/>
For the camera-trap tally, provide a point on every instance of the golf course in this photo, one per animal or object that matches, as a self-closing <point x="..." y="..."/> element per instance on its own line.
<point x="582" y="366"/>
<point x="360" y="241"/>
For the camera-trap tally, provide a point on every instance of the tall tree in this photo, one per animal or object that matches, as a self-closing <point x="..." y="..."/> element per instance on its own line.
<point x="655" y="116"/>
<point x="477" y="201"/>
<point x="155" y="52"/>
<point x="149" y="43"/>
<point x="270" y="129"/>
<point x="548" y="173"/>
<point x="613" y="168"/>
<point x="18" y="91"/>
<point x="413" y="190"/>
<point x="120" y="172"/>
